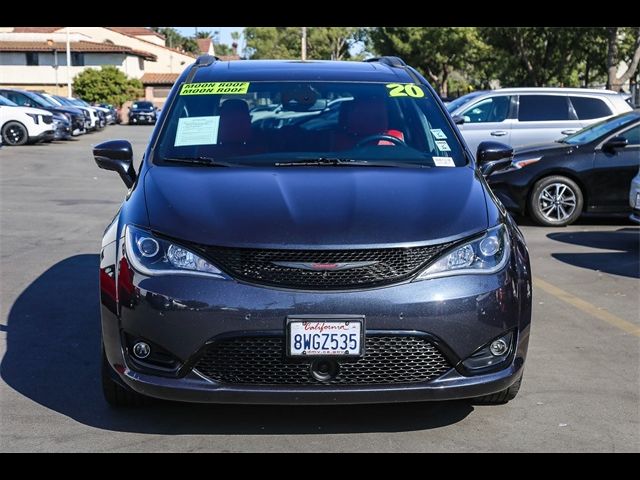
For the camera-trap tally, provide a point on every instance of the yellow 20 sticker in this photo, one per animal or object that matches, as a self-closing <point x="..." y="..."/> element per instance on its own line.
<point x="214" y="88"/>
<point x="405" y="90"/>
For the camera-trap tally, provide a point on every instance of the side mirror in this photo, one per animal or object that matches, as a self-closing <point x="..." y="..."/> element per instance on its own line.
<point x="615" y="143"/>
<point x="493" y="156"/>
<point x="116" y="155"/>
<point x="458" y="119"/>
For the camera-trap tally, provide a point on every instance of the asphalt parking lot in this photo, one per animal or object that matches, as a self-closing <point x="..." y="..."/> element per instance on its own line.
<point x="581" y="390"/>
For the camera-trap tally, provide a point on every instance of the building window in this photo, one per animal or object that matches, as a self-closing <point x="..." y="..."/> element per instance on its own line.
<point x="141" y="63"/>
<point x="32" y="58"/>
<point x="77" y="59"/>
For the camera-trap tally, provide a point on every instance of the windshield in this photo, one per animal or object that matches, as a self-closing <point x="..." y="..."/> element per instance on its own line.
<point x="53" y="100"/>
<point x="42" y="101"/>
<point x="143" y="105"/>
<point x="279" y="123"/>
<point x="6" y="102"/>
<point x="458" y="102"/>
<point x="597" y="130"/>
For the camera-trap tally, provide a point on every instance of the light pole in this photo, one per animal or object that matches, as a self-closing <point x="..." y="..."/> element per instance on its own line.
<point x="68" y="65"/>
<point x="55" y="63"/>
<point x="303" y="53"/>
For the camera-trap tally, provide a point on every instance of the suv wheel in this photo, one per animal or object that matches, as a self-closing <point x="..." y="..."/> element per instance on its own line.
<point x="14" y="133"/>
<point x="555" y="201"/>
<point x="115" y="394"/>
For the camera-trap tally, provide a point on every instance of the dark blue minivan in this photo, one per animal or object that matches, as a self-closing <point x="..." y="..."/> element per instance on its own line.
<point x="308" y="233"/>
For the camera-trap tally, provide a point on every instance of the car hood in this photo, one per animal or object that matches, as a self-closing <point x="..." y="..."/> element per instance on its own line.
<point x="71" y="110"/>
<point x="328" y="207"/>
<point x="550" y="148"/>
<point x="35" y="111"/>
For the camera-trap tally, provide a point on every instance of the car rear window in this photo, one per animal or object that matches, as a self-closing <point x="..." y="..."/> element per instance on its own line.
<point x="587" y="108"/>
<point x="538" y="108"/>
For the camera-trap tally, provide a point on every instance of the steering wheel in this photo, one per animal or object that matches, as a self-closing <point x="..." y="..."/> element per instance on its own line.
<point x="389" y="138"/>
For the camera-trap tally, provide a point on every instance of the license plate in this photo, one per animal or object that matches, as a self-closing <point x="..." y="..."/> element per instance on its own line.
<point x="325" y="338"/>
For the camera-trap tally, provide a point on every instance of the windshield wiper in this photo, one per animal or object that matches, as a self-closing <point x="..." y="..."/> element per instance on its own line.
<point x="206" y="161"/>
<point x="344" y="162"/>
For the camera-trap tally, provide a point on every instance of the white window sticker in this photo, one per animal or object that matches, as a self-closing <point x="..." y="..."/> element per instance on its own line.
<point x="442" y="146"/>
<point x="443" y="162"/>
<point x="439" y="134"/>
<point x="197" y="131"/>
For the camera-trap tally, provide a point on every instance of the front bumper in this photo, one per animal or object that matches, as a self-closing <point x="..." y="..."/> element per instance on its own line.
<point x="450" y="386"/>
<point x="42" y="137"/>
<point x="137" y="118"/>
<point x="182" y="313"/>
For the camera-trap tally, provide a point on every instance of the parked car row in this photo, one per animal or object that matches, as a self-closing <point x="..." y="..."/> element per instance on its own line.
<point x="576" y="150"/>
<point x="32" y="117"/>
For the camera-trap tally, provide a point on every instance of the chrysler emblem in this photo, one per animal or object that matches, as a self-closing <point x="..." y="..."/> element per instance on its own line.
<point x="323" y="267"/>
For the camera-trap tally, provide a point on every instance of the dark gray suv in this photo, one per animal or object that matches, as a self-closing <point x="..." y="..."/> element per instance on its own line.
<point x="341" y="248"/>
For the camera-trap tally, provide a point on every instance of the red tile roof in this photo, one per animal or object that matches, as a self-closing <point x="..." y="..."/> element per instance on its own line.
<point x="159" y="78"/>
<point x="36" y="29"/>
<point x="85" y="47"/>
<point x="135" y="31"/>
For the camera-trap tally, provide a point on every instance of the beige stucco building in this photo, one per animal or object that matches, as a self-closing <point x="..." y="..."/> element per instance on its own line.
<point x="35" y="57"/>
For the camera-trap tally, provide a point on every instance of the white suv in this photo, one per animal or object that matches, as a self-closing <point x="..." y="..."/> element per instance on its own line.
<point x="20" y="125"/>
<point x="525" y="116"/>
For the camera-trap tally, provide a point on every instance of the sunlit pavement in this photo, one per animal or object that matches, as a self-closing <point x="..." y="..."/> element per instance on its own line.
<point x="580" y="391"/>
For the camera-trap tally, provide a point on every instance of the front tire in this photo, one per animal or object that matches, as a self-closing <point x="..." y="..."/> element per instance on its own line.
<point x="555" y="201"/>
<point x="14" y="133"/>
<point x="501" y="397"/>
<point x="115" y="394"/>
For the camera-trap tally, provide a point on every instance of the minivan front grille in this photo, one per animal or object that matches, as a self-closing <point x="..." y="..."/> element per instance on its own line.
<point x="261" y="360"/>
<point x="324" y="269"/>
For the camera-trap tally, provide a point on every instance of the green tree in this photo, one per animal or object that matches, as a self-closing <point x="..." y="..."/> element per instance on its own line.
<point x="623" y="45"/>
<point x="323" y="43"/>
<point x="204" y="34"/>
<point x="174" y="39"/>
<point x="435" y="51"/>
<point x="535" y="56"/>
<point x="332" y="43"/>
<point x="107" y="85"/>
<point x="273" y="42"/>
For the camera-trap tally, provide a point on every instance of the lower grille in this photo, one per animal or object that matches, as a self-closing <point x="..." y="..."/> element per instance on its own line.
<point x="389" y="359"/>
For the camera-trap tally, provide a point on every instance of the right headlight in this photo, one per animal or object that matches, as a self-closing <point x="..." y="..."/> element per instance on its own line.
<point x="151" y="255"/>
<point x="487" y="254"/>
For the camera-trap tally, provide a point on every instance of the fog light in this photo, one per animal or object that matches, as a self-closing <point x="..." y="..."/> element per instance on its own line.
<point x="141" y="350"/>
<point x="491" y="355"/>
<point x="499" y="347"/>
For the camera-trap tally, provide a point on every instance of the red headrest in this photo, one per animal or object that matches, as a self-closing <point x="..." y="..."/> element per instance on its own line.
<point x="364" y="116"/>
<point x="235" y="122"/>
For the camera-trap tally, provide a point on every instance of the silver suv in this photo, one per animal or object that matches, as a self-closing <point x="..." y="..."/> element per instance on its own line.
<point x="524" y="116"/>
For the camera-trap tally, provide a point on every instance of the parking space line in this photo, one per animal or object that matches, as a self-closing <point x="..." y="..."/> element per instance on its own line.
<point x="580" y="304"/>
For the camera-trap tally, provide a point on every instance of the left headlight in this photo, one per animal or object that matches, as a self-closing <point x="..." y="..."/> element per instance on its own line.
<point x="35" y="117"/>
<point x="487" y="254"/>
<point x="151" y="255"/>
